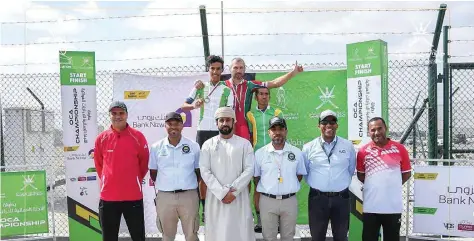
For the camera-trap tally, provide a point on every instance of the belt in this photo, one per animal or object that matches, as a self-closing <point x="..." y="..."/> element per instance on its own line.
<point x="176" y="191"/>
<point x="329" y="194"/>
<point x="278" y="196"/>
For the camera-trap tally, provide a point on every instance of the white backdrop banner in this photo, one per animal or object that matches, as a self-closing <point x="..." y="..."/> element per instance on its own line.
<point x="444" y="200"/>
<point x="148" y="99"/>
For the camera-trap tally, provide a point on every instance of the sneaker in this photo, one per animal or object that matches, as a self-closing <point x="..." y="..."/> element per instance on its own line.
<point x="258" y="228"/>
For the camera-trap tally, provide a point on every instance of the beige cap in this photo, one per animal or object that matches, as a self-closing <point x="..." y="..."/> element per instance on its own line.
<point x="225" y="112"/>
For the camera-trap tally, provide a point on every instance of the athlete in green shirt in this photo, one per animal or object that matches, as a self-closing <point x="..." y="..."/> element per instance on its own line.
<point x="258" y="119"/>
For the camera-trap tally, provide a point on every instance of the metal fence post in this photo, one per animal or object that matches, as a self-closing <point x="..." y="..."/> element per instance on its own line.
<point x="2" y="146"/>
<point x="446" y="93"/>
<point x="205" y="35"/>
<point x="432" y="90"/>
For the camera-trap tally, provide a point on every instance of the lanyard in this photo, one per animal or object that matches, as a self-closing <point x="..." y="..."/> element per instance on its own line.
<point x="278" y="163"/>
<point x="332" y="149"/>
<point x="207" y="99"/>
<point x="238" y="97"/>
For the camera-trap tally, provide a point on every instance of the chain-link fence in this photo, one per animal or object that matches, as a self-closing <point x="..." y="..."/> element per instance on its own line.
<point x="461" y="103"/>
<point x="28" y="142"/>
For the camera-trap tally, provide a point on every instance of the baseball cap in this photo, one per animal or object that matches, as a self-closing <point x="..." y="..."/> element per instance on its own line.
<point x="173" y="116"/>
<point x="327" y="113"/>
<point x="276" y="121"/>
<point x="118" y="104"/>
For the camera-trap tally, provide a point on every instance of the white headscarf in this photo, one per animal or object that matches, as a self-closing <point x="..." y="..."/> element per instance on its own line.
<point x="225" y="112"/>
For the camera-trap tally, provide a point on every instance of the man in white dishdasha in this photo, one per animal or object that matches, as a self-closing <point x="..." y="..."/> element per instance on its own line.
<point x="227" y="165"/>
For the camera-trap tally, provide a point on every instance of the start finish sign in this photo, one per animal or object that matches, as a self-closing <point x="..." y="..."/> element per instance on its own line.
<point x="23" y="203"/>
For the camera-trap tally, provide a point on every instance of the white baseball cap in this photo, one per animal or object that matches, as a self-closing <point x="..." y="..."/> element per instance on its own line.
<point x="327" y="113"/>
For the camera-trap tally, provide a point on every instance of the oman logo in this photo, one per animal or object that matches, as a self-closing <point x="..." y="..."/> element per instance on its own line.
<point x="28" y="181"/>
<point x="326" y="97"/>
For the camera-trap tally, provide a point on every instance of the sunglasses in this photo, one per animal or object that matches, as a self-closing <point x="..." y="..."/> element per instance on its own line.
<point x="326" y="122"/>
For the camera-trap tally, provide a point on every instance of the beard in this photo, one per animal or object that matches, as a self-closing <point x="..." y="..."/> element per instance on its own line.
<point x="225" y="130"/>
<point x="278" y="140"/>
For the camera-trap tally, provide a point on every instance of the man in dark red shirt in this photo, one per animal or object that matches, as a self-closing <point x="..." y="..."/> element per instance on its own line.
<point x="121" y="159"/>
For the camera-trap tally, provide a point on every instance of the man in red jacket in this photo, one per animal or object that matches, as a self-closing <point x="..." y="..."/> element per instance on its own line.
<point x="121" y="159"/>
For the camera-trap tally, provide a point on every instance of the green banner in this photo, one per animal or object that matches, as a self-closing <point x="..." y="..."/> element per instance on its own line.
<point x="77" y="68"/>
<point x="24" y="208"/>
<point x="301" y="100"/>
<point x="304" y="97"/>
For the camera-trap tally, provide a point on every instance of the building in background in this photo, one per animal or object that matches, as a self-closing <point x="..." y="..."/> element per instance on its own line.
<point x="28" y="140"/>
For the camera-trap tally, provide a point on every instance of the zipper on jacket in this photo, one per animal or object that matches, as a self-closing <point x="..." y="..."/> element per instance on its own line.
<point x="139" y="184"/>
<point x="103" y="183"/>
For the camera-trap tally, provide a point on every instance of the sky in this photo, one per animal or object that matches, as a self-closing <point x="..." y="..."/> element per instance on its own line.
<point x="149" y="34"/>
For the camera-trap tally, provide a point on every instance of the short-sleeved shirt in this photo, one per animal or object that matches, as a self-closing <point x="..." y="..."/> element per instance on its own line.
<point x="383" y="180"/>
<point x="242" y="102"/>
<point x="270" y="164"/>
<point x="175" y="164"/>
<point x="331" y="165"/>
<point x="219" y="95"/>
<point x="258" y="125"/>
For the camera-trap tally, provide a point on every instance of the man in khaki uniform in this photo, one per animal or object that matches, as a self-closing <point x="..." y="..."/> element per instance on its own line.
<point x="279" y="168"/>
<point x="174" y="166"/>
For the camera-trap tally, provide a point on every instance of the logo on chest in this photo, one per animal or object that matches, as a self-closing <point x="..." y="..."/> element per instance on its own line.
<point x="291" y="157"/>
<point x="186" y="149"/>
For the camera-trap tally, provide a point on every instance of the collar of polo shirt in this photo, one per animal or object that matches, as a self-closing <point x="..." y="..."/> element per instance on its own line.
<point x="286" y="148"/>
<point x="167" y="142"/>
<point x="324" y="142"/>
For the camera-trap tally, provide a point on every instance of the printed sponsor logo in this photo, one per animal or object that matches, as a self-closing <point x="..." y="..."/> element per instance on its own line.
<point x="91" y="178"/>
<point x="465" y="226"/>
<point x="448" y="226"/>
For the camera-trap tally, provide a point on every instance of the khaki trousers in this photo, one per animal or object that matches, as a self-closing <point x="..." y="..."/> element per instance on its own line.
<point x="171" y="207"/>
<point x="283" y="212"/>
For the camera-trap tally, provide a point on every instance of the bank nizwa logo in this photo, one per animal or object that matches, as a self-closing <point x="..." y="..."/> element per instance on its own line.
<point x="326" y="97"/>
<point x="28" y="181"/>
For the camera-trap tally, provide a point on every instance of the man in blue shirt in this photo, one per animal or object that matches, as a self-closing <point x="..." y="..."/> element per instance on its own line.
<point x="330" y="161"/>
<point x="174" y="166"/>
<point x="279" y="168"/>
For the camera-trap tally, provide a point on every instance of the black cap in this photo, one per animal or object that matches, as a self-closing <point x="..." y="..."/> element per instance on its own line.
<point x="173" y="116"/>
<point x="276" y="121"/>
<point x="118" y="104"/>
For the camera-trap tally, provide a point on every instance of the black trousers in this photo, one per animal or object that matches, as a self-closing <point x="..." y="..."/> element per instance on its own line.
<point x="389" y="222"/>
<point x="110" y="213"/>
<point x="323" y="207"/>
